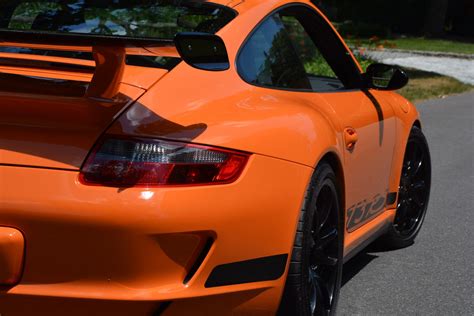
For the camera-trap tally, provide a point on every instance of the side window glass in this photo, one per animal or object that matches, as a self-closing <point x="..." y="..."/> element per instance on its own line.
<point x="269" y="59"/>
<point x="321" y="75"/>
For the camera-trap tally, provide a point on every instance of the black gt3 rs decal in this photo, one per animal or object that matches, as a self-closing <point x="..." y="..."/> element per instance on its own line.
<point x="360" y="213"/>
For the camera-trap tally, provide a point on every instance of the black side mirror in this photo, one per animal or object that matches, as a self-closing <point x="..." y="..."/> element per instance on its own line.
<point x="202" y="51"/>
<point x="385" y="77"/>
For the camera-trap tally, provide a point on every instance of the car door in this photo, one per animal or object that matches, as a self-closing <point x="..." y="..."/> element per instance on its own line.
<point x="366" y="122"/>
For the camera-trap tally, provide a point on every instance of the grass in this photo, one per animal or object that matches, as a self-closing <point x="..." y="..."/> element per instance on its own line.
<point x="416" y="43"/>
<point x="426" y="85"/>
<point x="434" y="45"/>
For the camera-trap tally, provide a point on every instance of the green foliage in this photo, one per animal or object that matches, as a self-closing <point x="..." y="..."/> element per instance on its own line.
<point x="426" y="85"/>
<point x="435" y="45"/>
<point x="364" y="63"/>
<point x="319" y="67"/>
<point x="313" y="61"/>
<point x="26" y="13"/>
<point x="414" y="43"/>
<point x="140" y="18"/>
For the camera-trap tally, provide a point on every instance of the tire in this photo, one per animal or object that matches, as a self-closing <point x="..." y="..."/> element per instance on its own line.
<point x="414" y="192"/>
<point x="314" y="277"/>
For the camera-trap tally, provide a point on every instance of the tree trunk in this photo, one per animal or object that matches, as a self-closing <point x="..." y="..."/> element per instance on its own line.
<point x="436" y="18"/>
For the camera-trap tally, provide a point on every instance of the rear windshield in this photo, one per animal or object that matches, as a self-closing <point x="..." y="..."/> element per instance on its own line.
<point x="131" y="18"/>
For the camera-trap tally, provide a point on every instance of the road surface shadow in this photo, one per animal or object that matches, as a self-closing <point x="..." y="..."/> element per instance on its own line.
<point x="361" y="260"/>
<point x="355" y="265"/>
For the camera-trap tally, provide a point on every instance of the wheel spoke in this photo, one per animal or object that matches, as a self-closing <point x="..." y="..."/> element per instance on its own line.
<point x="419" y="186"/>
<point x="418" y="193"/>
<point x="401" y="211"/>
<point x="410" y="223"/>
<point x="323" y="213"/>
<point x="417" y="166"/>
<point x="325" y="292"/>
<point x="313" y="290"/>
<point x="319" y="257"/>
<point x="417" y="201"/>
<point x="414" y="153"/>
<point x="328" y="238"/>
<point x="312" y="240"/>
<point x="409" y="155"/>
<point x="417" y="162"/>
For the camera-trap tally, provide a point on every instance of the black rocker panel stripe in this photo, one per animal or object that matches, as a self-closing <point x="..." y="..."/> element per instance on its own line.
<point x="255" y="270"/>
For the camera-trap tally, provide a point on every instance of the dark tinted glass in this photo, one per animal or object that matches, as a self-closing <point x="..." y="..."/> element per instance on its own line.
<point x="312" y="59"/>
<point x="269" y="59"/>
<point x="319" y="72"/>
<point x="328" y="46"/>
<point x="133" y="18"/>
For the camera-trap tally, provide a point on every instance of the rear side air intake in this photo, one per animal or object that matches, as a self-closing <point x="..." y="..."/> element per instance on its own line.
<point x="199" y="260"/>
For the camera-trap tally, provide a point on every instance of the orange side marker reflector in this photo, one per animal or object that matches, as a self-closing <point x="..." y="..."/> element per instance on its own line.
<point x="12" y="247"/>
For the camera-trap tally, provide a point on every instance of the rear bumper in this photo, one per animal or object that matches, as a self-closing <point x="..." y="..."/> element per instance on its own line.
<point x="139" y="247"/>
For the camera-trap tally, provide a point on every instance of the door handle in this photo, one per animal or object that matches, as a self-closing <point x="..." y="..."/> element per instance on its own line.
<point x="351" y="138"/>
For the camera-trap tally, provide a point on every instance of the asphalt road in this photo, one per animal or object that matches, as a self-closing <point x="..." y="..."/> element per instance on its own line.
<point x="435" y="276"/>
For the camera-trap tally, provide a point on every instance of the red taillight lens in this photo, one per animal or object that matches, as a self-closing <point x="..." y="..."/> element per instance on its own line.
<point x="123" y="162"/>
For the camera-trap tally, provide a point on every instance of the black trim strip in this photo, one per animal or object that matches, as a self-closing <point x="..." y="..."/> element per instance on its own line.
<point x="255" y="270"/>
<point x="162" y="308"/>
<point x="199" y="260"/>
<point x="391" y="198"/>
<point x="37" y="167"/>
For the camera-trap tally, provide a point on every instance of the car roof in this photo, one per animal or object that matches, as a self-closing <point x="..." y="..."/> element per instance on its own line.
<point x="245" y="5"/>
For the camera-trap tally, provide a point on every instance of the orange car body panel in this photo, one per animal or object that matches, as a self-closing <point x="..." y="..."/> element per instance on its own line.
<point x="87" y="246"/>
<point x="12" y="247"/>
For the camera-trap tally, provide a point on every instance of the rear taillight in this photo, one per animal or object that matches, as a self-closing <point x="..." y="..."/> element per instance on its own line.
<point x="129" y="162"/>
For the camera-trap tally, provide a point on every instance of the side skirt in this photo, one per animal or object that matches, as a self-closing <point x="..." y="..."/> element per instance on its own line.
<point x="377" y="233"/>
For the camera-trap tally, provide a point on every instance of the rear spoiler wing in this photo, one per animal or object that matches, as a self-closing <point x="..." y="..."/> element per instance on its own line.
<point x="200" y="50"/>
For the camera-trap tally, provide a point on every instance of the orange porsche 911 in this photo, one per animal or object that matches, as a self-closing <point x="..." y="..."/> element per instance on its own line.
<point x="183" y="157"/>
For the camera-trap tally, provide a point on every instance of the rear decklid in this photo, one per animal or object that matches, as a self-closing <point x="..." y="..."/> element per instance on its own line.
<point x="68" y="69"/>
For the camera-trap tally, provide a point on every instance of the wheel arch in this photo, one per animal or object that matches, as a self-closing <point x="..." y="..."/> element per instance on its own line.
<point x="336" y="164"/>
<point x="406" y="120"/>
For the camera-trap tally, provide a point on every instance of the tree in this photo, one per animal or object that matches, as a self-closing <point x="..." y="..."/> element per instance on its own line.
<point x="436" y="18"/>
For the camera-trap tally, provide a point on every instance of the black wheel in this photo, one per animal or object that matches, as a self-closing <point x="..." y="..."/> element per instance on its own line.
<point x="314" y="277"/>
<point x="414" y="192"/>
